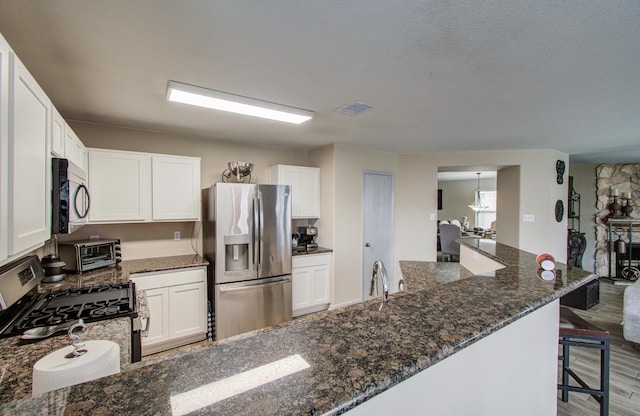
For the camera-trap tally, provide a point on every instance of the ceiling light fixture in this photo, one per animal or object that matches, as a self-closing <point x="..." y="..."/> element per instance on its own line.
<point x="477" y="202"/>
<point x="218" y="100"/>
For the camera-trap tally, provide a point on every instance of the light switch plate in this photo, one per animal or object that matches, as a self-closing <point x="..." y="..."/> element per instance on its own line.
<point x="528" y="218"/>
<point x="176" y="235"/>
<point x="432" y="216"/>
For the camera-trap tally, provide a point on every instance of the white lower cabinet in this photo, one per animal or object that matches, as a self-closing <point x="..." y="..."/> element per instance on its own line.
<point x="177" y="301"/>
<point x="311" y="283"/>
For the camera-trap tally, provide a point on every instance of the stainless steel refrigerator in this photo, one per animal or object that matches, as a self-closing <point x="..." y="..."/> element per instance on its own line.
<point x="247" y="241"/>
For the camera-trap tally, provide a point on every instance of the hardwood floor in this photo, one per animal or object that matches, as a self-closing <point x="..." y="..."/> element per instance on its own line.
<point x="624" y="372"/>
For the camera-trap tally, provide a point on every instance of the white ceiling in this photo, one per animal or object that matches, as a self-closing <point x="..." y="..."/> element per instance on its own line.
<point x="442" y="75"/>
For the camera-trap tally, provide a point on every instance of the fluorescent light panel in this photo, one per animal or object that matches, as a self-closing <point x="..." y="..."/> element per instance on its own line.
<point x="218" y="100"/>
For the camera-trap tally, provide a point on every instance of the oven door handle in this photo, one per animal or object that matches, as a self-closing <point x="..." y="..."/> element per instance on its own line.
<point x="145" y="331"/>
<point x="143" y="312"/>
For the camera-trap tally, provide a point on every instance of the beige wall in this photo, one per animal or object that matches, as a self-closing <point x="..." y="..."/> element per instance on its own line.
<point x="156" y="239"/>
<point x="507" y="223"/>
<point x="417" y="198"/>
<point x="349" y="165"/>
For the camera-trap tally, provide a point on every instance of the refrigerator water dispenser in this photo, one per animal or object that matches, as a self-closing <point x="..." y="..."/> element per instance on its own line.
<point x="236" y="252"/>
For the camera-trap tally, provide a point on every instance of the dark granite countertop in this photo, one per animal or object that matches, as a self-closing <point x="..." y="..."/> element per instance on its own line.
<point x="319" y="250"/>
<point x="353" y="353"/>
<point x="120" y="273"/>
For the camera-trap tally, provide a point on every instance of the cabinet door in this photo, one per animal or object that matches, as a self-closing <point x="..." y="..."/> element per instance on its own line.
<point x="57" y="133"/>
<point x="176" y="188"/>
<point x="79" y="153"/>
<point x="187" y="304"/>
<point x="310" y="190"/>
<point x="158" y="302"/>
<point x="290" y="175"/>
<point x="321" y="284"/>
<point x="301" y="287"/>
<point x="29" y="216"/>
<point x="305" y="188"/>
<point x="120" y="185"/>
<point x="69" y="143"/>
<point x="4" y="144"/>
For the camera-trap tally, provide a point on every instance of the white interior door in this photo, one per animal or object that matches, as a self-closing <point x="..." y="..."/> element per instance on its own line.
<point x="377" y="227"/>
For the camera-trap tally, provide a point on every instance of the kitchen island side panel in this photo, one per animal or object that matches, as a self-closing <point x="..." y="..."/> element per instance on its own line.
<point x="510" y="372"/>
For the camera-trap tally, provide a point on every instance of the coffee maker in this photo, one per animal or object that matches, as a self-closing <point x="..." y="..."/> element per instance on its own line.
<point x="307" y="239"/>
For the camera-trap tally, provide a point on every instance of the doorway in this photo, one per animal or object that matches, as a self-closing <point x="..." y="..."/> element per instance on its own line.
<point x="378" y="230"/>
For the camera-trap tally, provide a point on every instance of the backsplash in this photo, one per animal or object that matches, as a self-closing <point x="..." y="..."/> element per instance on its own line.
<point x="145" y="240"/>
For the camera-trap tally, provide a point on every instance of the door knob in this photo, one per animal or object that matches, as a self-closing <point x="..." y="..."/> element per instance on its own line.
<point x="367" y="245"/>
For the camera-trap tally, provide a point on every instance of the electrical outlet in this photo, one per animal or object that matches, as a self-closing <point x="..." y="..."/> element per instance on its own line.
<point x="176" y="235"/>
<point x="94" y="237"/>
<point x="528" y="218"/>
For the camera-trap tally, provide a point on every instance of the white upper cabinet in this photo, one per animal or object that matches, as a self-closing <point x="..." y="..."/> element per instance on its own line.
<point x="120" y="186"/>
<point x="4" y="145"/>
<point x="29" y="174"/>
<point x="74" y="149"/>
<point x="176" y="188"/>
<point x="57" y="133"/>
<point x="305" y="188"/>
<point x="141" y="187"/>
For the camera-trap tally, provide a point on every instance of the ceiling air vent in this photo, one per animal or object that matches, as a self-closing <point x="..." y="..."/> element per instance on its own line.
<point x="355" y="108"/>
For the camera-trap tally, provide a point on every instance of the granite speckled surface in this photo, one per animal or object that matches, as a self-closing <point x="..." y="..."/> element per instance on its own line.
<point x="319" y="250"/>
<point x="121" y="272"/>
<point x="354" y="353"/>
<point x="18" y="357"/>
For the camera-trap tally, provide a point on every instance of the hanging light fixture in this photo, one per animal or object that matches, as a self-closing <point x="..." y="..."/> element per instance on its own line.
<point x="477" y="202"/>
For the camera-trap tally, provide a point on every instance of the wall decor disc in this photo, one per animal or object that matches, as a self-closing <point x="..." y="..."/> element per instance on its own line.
<point x="560" y="167"/>
<point x="559" y="210"/>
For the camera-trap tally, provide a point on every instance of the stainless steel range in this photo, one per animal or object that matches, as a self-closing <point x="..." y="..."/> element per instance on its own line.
<point x="23" y="308"/>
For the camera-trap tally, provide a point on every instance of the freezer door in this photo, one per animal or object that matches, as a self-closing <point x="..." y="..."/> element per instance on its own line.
<point x="273" y="212"/>
<point x="235" y="258"/>
<point x="247" y="306"/>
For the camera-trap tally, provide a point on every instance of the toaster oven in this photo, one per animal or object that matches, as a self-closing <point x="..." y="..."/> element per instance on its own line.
<point x="85" y="255"/>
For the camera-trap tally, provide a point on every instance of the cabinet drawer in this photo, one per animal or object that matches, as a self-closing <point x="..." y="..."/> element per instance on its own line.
<point x="309" y="260"/>
<point x="152" y="280"/>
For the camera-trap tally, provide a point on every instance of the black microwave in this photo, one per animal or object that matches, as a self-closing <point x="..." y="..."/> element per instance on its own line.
<point x="70" y="197"/>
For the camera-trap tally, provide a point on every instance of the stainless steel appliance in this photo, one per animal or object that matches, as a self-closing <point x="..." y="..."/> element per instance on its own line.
<point x="23" y="308"/>
<point x="70" y="197"/>
<point x="247" y="241"/>
<point x="84" y="255"/>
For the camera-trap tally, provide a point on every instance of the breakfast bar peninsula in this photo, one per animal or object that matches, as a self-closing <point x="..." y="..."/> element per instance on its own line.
<point x="474" y="343"/>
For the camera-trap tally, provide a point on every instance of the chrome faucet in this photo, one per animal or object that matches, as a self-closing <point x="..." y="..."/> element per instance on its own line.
<point x="378" y="269"/>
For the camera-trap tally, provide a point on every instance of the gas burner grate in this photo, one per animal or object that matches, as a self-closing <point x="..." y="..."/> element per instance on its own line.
<point x="91" y="304"/>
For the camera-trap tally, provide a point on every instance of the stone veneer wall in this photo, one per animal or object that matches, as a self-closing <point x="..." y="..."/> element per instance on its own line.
<point x="625" y="178"/>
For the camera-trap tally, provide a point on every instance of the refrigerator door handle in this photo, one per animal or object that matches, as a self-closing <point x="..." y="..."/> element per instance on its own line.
<point x="254" y="237"/>
<point x="260" y="231"/>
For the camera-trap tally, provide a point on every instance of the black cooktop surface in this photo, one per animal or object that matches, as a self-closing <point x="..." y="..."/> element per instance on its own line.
<point x="90" y="304"/>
